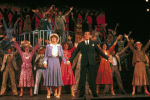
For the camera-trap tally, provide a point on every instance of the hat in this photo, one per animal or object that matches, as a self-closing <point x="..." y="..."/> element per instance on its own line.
<point x="138" y="42"/>
<point x="27" y="44"/>
<point x="42" y="47"/>
<point x="121" y="35"/>
<point x="54" y="34"/>
<point x="27" y="16"/>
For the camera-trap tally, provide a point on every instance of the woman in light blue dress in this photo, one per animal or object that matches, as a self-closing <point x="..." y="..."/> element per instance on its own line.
<point x="53" y="76"/>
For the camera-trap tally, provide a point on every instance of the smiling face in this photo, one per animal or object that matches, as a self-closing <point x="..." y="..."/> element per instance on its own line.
<point x="121" y="37"/>
<point x="42" y="51"/>
<point x="10" y="25"/>
<point x="138" y="46"/>
<point x="59" y="13"/>
<point x="104" y="46"/>
<point x="86" y="35"/>
<point x="53" y="39"/>
<point x="9" y="51"/>
<point x="66" y="46"/>
<point x="44" y="9"/>
<point x="27" y="49"/>
<point x="43" y="14"/>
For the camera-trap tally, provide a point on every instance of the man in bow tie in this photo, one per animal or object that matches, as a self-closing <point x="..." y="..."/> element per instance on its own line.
<point x="87" y="48"/>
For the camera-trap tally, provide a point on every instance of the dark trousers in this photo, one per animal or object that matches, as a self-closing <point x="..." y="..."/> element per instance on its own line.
<point x="92" y="76"/>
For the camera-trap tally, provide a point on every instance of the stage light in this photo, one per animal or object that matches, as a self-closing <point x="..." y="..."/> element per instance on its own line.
<point x="146" y="0"/>
<point x="147" y="9"/>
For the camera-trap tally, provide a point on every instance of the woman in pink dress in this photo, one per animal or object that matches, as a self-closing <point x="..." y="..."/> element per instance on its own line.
<point x="26" y="76"/>
<point x="66" y="70"/>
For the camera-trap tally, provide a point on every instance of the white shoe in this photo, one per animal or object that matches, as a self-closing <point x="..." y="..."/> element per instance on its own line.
<point x="57" y="96"/>
<point x="48" y="96"/>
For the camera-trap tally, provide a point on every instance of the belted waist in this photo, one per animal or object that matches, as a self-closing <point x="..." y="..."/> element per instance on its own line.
<point x="53" y="56"/>
<point x="104" y="59"/>
<point x="26" y="65"/>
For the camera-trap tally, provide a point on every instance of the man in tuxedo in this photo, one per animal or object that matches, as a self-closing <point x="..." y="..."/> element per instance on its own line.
<point x="87" y="48"/>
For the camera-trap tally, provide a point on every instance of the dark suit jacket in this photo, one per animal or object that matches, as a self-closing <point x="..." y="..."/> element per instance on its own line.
<point x="87" y="53"/>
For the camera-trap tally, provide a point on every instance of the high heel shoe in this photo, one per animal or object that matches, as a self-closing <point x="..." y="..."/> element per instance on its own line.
<point x="48" y="96"/>
<point x="55" y="95"/>
<point x="58" y="96"/>
<point x="31" y="95"/>
<point x="112" y="93"/>
<point x="97" y="91"/>
<point x="20" y="96"/>
<point x="133" y="93"/>
<point x="73" y="95"/>
<point x="147" y="93"/>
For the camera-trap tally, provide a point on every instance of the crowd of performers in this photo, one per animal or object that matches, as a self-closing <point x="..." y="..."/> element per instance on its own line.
<point x="55" y="61"/>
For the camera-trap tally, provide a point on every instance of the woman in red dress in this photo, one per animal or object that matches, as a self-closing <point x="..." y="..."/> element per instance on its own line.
<point x="104" y="75"/>
<point x="66" y="70"/>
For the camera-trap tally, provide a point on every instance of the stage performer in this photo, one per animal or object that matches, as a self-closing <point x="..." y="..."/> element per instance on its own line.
<point x="26" y="76"/>
<point x="87" y="49"/>
<point x="2" y="41"/>
<point x="123" y="56"/>
<point x="104" y="75"/>
<point x="9" y="31"/>
<point x="8" y="66"/>
<point x="27" y="23"/>
<point x="53" y="76"/>
<point x="78" y="34"/>
<point x="139" y="60"/>
<point x="45" y="23"/>
<point x="66" y="70"/>
<point x="40" y="68"/>
<point x="115" y="66"/>
<point x="60" y="22"/>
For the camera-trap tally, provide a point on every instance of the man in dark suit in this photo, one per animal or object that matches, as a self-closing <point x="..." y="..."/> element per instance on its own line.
<point x="87" y="49"/>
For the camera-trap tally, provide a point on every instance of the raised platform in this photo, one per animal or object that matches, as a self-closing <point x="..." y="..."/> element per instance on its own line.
<point x="89" y="97"/>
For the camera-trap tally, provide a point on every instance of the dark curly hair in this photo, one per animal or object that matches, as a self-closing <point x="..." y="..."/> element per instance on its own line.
<point x="103" y="44"/>
<point x="10" y="48"/>
<point x="64" y="44"/>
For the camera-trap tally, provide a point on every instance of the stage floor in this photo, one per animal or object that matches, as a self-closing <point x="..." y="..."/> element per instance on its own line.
<point x="89" y="97"/>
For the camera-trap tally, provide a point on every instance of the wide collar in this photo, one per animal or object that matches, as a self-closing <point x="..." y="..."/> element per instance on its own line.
<point x="54" y="45"/>
<point x="6" y="55"/>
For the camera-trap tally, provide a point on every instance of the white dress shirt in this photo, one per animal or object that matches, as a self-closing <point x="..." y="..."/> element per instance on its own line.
<point x="54" y="51"/>
<point x="87" y="42"/>
<point x="114" y="61"/>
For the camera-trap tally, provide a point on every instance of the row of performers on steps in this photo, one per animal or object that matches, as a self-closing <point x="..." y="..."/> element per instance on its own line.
<point x="60" y="25"/>
<point x="67" y="76"/>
